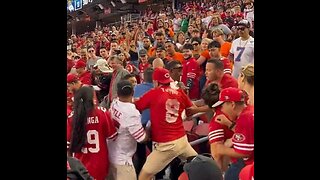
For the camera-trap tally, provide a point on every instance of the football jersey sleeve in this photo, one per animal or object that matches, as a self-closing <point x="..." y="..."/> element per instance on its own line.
<point x="185" y="99"/>
<point x="243" y="138"/>
<point x="216" y="132"/>
<point x="111" y="132"/>
<point x="145" y="100"/>
<point x="135" y="127"/>
<point x="226" y="66"/>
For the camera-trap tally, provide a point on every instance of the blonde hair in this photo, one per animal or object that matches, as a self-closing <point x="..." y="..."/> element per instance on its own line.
<point x="207" y="40"/>
<point x="248" y="73"/>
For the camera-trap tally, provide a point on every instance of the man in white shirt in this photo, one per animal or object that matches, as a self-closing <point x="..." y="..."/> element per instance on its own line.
<point x="242" y="48"/>
<point x="127" y="119"/>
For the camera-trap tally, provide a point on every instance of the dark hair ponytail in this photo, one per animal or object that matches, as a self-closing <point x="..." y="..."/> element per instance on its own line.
<point x="210" y="95"/>
<point x="83" y="105"/>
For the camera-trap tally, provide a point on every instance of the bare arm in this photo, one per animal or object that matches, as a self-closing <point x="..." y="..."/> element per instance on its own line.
<point x="201" y="60"/>
<point x="221" y="160"/>
<point x="221" y="149"/>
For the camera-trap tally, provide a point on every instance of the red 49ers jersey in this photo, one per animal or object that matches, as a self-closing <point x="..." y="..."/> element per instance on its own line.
<point x="94" y="155"/>
<point x="166" y="105"/>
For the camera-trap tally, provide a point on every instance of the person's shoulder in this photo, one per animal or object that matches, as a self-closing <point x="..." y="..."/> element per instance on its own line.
<point x="251" y="40"/>
<point x="247" y="113"/>
<point x="101" y="110"/>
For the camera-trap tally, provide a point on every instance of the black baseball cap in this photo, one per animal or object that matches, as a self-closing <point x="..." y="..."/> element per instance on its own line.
<point x="202" y="167"/>
<point x="124" y="88"/>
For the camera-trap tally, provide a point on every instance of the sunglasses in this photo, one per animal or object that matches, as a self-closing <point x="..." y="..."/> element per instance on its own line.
<point x="195" y="44"/>
<point x="91" y="51"/>
<point x="241" y="28"/>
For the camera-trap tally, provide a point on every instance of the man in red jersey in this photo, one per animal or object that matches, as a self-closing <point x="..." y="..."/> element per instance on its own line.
<point x="88" y="128"/>
<point x="83" y="74"/>
<point x="214" y="73"/>
<point x="233" y="103"/>
<point x="190" y="72"/>
<point x="167" y="131"/>
<point x="242" y="140"/>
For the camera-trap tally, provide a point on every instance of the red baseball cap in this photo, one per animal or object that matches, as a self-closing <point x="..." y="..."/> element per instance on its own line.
<point x="230" y="94"/>
<point x="162" y="76"/>
<point x="71" y="78"/>
<point x="247" y="173"/>
<point x="80" y="64"/>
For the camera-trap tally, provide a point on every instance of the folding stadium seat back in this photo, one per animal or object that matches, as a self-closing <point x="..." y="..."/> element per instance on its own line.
<point x="201" y="129"/>
<point x="188" y="125"/>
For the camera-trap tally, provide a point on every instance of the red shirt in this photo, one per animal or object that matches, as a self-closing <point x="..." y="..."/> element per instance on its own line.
<point x="243" y="138"/>
<point x="85" y="78"/>
<point x="166" y="106"/>
<point x="226" y="65"/>
<point x="228" y="81"/>
<point x="130" y="68"/>
<point x="217" y="131"/>
<point x="191" y="69"/>
<point x="142" y="68"/>
<point x="247" y="173"/>
<point x="94" y="155"/>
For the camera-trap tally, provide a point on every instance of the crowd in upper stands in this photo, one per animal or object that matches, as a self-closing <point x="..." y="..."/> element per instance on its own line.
<point x="203" y="53"/>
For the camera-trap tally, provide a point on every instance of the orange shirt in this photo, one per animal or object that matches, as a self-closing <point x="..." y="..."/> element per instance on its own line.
<point x="225" y="49"/>
<point x="151" y="52"/>
<point x="176" y="56"/>
<point x="205" y="54"/>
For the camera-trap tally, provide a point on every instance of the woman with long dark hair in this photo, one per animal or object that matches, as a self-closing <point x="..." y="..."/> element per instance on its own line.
<point x="88" y="127"/>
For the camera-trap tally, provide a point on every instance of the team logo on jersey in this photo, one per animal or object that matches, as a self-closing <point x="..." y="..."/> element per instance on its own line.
<point x="238" y="137"/>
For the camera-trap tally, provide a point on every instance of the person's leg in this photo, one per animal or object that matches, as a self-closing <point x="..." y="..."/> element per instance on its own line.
<point x="140" y="157"/>
<point x="160" y="157"/>
<point x="176" y="169"/>
<point x="112" y="175"/>
<point x="233" y="171"/>
<point x="186" y="149"/>
<point x="126" y="172"/>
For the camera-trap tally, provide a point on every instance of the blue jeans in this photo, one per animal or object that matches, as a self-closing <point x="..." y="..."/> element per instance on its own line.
<point x="233" y="171"/>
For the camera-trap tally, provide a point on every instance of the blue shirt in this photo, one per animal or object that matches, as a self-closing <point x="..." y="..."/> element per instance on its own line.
<point x="139" y="90"/>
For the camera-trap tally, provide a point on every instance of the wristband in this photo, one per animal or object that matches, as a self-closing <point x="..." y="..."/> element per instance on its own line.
<point x="232" y="125"/>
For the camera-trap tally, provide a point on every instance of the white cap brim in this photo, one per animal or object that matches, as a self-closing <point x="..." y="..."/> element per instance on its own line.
<point x="217" y="104"/>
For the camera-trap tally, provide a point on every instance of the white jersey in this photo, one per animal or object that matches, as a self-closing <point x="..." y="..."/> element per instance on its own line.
<point x="127" y="119"/>
<point x="243" y="52"/>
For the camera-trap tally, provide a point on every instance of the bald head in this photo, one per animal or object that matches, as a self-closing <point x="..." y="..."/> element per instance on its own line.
<point x="157" y="62"/>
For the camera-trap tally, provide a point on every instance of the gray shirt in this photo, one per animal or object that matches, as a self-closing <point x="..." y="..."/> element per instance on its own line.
<point x="91" y="62"/>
